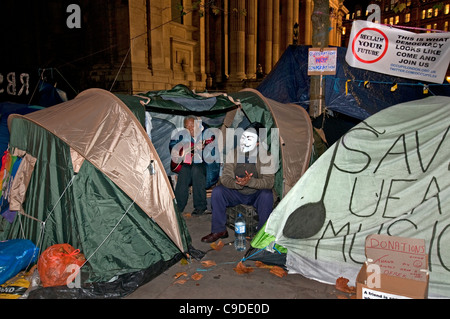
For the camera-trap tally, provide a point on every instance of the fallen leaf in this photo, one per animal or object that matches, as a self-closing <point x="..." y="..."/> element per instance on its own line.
<point x="208" y="263"/>
<point x="242" y="269"/>
<point x="342" y="285"/>
<point x="278" y="271"/>
<point x="197" y="276"/>
<point x="217" y="246"/>
<point x="260" y="264"/>
<point x="184" y="261"/>
<point x="187" y="215"/>
<point x="180" y="281"/>
<point x="179" y="274"/>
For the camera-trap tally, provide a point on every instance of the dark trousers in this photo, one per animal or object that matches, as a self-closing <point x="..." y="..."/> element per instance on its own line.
<point x="223" y="197"/>
<point x="194" y="175"/>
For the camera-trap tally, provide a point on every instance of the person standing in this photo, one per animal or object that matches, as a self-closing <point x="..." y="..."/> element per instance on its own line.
<point x="191" y="168"/>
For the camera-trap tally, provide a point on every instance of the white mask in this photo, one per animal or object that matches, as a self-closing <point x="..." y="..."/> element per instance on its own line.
<point x="248" y="141"/>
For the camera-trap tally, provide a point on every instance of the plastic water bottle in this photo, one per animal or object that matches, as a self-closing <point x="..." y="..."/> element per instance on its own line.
<point x="239" y="233"/>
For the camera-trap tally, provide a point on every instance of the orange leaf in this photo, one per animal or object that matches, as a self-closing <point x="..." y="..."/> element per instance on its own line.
<point x="342" y="285"/>
<point x="180" y="281"/>
<point x="217" y="246"/>
<point x="242" y="269"/>
<point x="278" y="271"/>
<point x="208" y="263"/>
<point x="179" y="274"/>
<point x="197" y="276"/>
<point x="260" y="264"/>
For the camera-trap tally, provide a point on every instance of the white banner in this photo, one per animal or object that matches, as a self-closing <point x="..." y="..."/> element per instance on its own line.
<point x="384" y="49"/>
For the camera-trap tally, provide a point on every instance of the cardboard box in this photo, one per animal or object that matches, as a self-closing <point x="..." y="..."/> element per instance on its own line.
<point x="395" y="268"/>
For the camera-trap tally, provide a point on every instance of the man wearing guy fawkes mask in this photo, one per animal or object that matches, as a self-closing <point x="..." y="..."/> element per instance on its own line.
<point x="244" y="181"/>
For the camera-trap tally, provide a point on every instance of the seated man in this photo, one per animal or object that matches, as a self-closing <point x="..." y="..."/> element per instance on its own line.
<point x="243" y="181"/>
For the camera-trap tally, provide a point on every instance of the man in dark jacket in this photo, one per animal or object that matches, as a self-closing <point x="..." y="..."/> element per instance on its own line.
<point x="245" y="180"/>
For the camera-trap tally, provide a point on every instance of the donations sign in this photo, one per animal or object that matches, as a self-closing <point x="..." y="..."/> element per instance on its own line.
<point x="397" y="52"/>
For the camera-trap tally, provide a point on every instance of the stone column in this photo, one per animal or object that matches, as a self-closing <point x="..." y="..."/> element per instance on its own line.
<point x="237" y="40"/>
<point x="276" y="32"/>
<point x="308" y="23"/>
<point x="250" y="42"/>
<point x="288" y="23"/>
<point x="268" y="17"/>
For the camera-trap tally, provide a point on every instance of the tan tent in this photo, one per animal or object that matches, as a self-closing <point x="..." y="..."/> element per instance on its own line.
<point x="100" y="128"/>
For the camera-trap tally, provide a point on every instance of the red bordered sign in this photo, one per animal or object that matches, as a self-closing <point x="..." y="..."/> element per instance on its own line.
<point x="369" y="45"/>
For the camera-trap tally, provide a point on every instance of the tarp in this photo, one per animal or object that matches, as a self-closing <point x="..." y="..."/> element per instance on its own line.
<point x="351" y="91"/>
<point x="387" y="175"/>
<point x="6" y="109"/>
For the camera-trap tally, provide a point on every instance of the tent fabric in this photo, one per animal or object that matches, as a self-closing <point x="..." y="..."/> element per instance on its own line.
<point x="108" y="209"/>
<point x="103" y="130"/>
<point x="389" y="176"/>
<point x="255" y="106"/>
<point x="346" y="92"/>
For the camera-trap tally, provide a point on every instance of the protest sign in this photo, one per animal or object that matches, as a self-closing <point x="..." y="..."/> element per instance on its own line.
<point x="322" y="61"/>
<point x="392" y="51"/>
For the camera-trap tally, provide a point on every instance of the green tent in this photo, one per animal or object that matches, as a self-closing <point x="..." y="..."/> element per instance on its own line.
<point x="93" y="174"/>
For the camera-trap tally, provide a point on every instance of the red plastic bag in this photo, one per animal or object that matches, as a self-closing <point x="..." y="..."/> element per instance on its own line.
<point x="57" y="263"/>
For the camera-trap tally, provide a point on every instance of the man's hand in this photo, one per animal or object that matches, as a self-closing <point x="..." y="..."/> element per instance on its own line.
<point x="243" y="180"/>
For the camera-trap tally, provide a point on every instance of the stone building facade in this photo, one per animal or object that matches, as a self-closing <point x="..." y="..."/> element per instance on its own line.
<point x="130" y="46"/>
<point x="216" y="45"/>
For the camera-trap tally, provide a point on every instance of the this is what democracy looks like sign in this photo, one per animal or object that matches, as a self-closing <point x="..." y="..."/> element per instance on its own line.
<point x="397" y="52"/>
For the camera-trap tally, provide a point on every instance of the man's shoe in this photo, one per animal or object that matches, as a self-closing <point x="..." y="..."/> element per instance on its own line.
<point x="214" y="236"/>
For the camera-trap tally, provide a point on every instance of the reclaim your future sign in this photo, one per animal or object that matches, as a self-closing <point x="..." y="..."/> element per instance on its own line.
<point x="384" y="49"/>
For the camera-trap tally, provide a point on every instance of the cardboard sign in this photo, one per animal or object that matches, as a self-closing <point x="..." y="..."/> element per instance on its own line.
<point x="384" y="49"/>
<point x="395" y="268"/>
<point x="322" y="61"/>
<point x="398" y="256"/>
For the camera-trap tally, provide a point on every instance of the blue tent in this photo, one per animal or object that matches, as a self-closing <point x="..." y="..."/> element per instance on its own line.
<point x="354" y="92"/>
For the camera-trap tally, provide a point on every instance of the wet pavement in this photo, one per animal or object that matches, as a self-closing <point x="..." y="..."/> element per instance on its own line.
<point x="214" y="276"/>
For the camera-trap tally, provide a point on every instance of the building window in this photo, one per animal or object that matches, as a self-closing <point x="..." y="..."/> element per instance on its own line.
<point x="385" y="21"/>
<point x="343" y="30"/>
<point x="391" y="20"/>
<point x="424" y="13"/>
<point x="397" y="19"/>
<point x="447" y="8"/>
<point x="407" y="17"/>
<point x="408" y="3"/>
<point x="436" y="12"/>
<point x="177" y="11"/>
<point x="430" y="13"/>
<point x="446" y="26"/>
